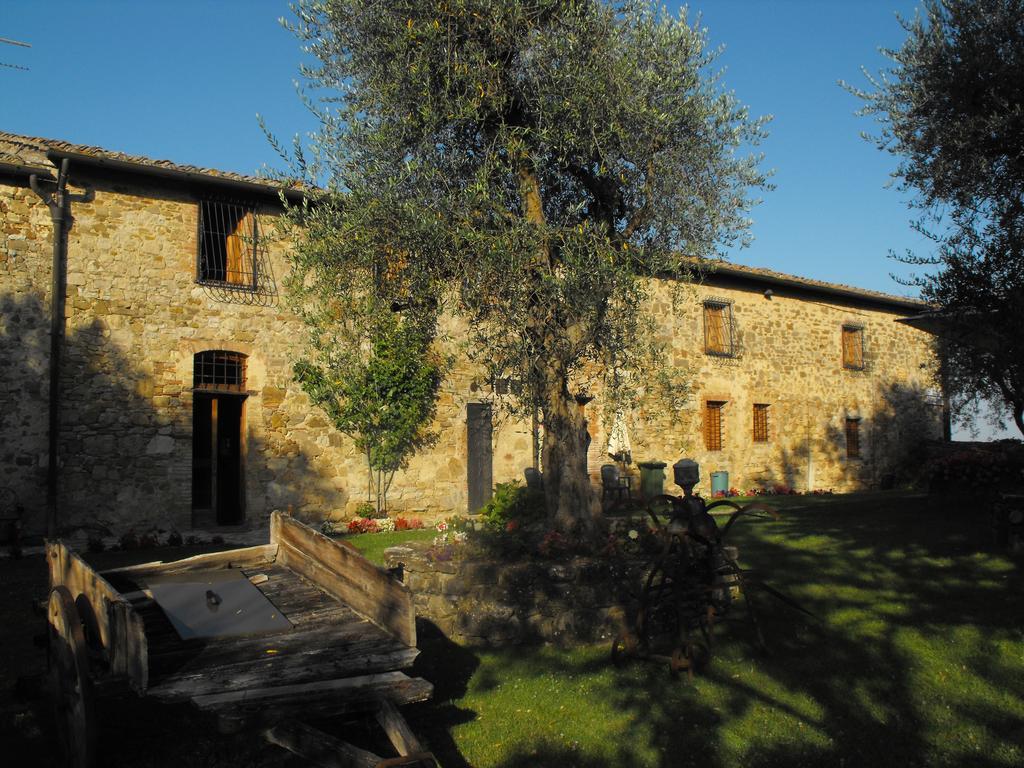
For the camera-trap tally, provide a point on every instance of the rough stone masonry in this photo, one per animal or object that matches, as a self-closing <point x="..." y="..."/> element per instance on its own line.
<point x="138" y="317"/>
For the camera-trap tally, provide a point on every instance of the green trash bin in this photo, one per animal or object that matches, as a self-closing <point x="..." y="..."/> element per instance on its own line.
<point x="719" y="483"/>
<point x="652" y="478"/>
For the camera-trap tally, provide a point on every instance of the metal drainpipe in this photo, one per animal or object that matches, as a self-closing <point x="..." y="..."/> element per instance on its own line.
<point x="57" y="201"/>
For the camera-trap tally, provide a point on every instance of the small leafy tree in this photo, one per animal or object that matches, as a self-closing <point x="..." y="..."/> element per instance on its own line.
<point x="527" y="166"/>
<point x="951" y="107"/>
<point x="381" y="393"/>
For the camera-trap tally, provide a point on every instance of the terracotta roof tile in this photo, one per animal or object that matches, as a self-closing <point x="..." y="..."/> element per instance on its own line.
<point x="31" y="150"/>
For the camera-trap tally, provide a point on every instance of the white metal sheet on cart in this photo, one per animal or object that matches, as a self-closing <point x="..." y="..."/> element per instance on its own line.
<point x="208" y="604"/>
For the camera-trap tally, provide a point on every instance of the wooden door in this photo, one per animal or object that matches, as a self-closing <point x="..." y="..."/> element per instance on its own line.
<point x="217" y="452"/>
<point x="479" y="454"/>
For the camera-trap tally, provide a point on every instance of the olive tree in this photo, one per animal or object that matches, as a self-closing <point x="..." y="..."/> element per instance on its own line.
<point x="951" y="108"/>
<point x="527" y="166"/>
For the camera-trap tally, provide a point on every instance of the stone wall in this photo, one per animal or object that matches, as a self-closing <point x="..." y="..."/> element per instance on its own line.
<point x="788" y="357"/>
<point x="136" y="317"/>
<point x="25" y="257"/>
<point x="487" y="602"/>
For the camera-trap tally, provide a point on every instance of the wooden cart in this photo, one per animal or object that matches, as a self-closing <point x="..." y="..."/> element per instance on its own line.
<point x="352" y="632"/>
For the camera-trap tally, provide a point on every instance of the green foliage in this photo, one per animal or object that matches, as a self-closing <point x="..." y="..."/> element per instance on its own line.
<point x="381" y="393"/>
<point x="950" y="108"/>
<point x="512" y="504"/>
<point x="527" y="165"/>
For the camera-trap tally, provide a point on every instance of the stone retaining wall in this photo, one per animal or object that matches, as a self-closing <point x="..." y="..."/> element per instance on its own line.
<point x="476" y="601"/>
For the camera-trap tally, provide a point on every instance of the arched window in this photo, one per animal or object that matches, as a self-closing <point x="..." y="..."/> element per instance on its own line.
<point x="217" y="370"/>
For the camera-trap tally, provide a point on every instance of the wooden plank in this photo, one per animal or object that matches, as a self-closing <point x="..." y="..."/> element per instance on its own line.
<point x="119" y="629"/>
<point x="341" y="571"/>
<point x="319" y="748"/>
<point x="351" y="694"/>
<point x="398" y="731"/>
<point x="294" y="669"/>
<point x="247" y="557"/>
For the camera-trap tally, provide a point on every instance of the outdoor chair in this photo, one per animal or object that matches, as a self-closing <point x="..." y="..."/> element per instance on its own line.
<point x="613" y="484"/>
<point x="534" y="479"/>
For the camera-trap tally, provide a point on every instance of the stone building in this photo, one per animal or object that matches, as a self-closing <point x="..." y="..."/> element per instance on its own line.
<point x="175" y="405"/>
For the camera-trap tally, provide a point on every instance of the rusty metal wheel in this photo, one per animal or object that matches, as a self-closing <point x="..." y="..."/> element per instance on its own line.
<point x="71" y="688"/>
<point x="623" y="648"/>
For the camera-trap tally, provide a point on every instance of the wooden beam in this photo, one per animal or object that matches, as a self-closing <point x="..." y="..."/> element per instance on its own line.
<point x="119" y="629"/>
<point x="251" y="674"/>
<point x="245" y="557"/>
<point x="398" y="731"/>
<point x="319" y="748"/>
<point x="351" y="694"/>
<point x="344" y="573"/>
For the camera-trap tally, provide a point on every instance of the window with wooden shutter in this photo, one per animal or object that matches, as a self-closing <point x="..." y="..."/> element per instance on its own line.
<point x="719" y="338"/>
<point x="853" y="438"/>
<point x="228" y="241"/>
<point x="760" y="422"/>
<point x="853" y="347"/>
<point x="713" y="425"/>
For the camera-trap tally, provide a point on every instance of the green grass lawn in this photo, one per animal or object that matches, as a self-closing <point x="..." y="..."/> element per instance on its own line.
<point x="372" y="545"/>
<point x="918" y="661"/>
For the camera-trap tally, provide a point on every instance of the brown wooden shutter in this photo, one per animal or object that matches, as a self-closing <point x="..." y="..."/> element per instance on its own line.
<point x="853" y="438"/>
<point x="853" y="348"/>
<point x="713" y="425"/>
<point x="760" y="423"/>
<point x="238" y="245"/>
<point x="715" y="333"/>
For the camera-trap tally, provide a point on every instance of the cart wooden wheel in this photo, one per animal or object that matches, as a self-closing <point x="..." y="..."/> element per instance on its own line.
<point x="70" y="686"/>
<point x="624" y="646"/>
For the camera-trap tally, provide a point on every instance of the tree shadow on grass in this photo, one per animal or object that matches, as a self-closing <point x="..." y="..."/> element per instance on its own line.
<point x="918" y="659"/>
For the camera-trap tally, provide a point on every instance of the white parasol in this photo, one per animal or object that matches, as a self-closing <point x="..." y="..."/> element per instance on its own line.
<point x="619" y="446"/>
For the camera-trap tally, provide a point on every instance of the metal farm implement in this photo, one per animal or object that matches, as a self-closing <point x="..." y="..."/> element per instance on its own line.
<point x="691" y="581"/>
<point x="303" y="625"/>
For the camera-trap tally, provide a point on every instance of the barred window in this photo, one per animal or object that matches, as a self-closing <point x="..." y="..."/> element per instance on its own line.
<point x="713" y="439"/>
<point x="219" y="371"/>
<point x="719" y="335"/>
<point x="853" y="438"/>
<point x="228" y="235"/>
<point x="853" y="347"/>
<point x="760" y="422"/>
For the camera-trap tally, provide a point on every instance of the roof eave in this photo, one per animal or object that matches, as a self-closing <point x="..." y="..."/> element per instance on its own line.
<point x="21" y="170"/>
<point x="175" y="174"/>
<point x="815" y="287"/>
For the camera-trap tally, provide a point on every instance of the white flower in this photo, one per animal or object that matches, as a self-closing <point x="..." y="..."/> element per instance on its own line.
<point x="386" y="525"/>
<point x="440" y="541"/>
<point x="633" y="534"/>
<point x="460" y="537"/>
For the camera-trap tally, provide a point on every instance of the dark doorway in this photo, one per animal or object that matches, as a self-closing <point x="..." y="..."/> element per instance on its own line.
<point x="217" y="488"/>
<point x="218" y="438"/>
<point x="479" y="454"/>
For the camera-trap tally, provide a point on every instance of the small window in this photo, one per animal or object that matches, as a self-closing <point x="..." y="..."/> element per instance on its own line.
<point x="228" y="235"/>
<point x="219" y="371"/>
<point x="713" y="425"/>
<point x="853" y="347"/>
<point x="719" y="336"/>
<point x="760" y="422"/>
<point x="853" y="438"/>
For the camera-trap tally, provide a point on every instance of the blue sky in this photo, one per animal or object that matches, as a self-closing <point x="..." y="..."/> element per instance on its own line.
<point x="184" y="80"/>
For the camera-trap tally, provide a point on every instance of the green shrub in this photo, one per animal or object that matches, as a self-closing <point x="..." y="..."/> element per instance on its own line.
<point x="512" y="505"/>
